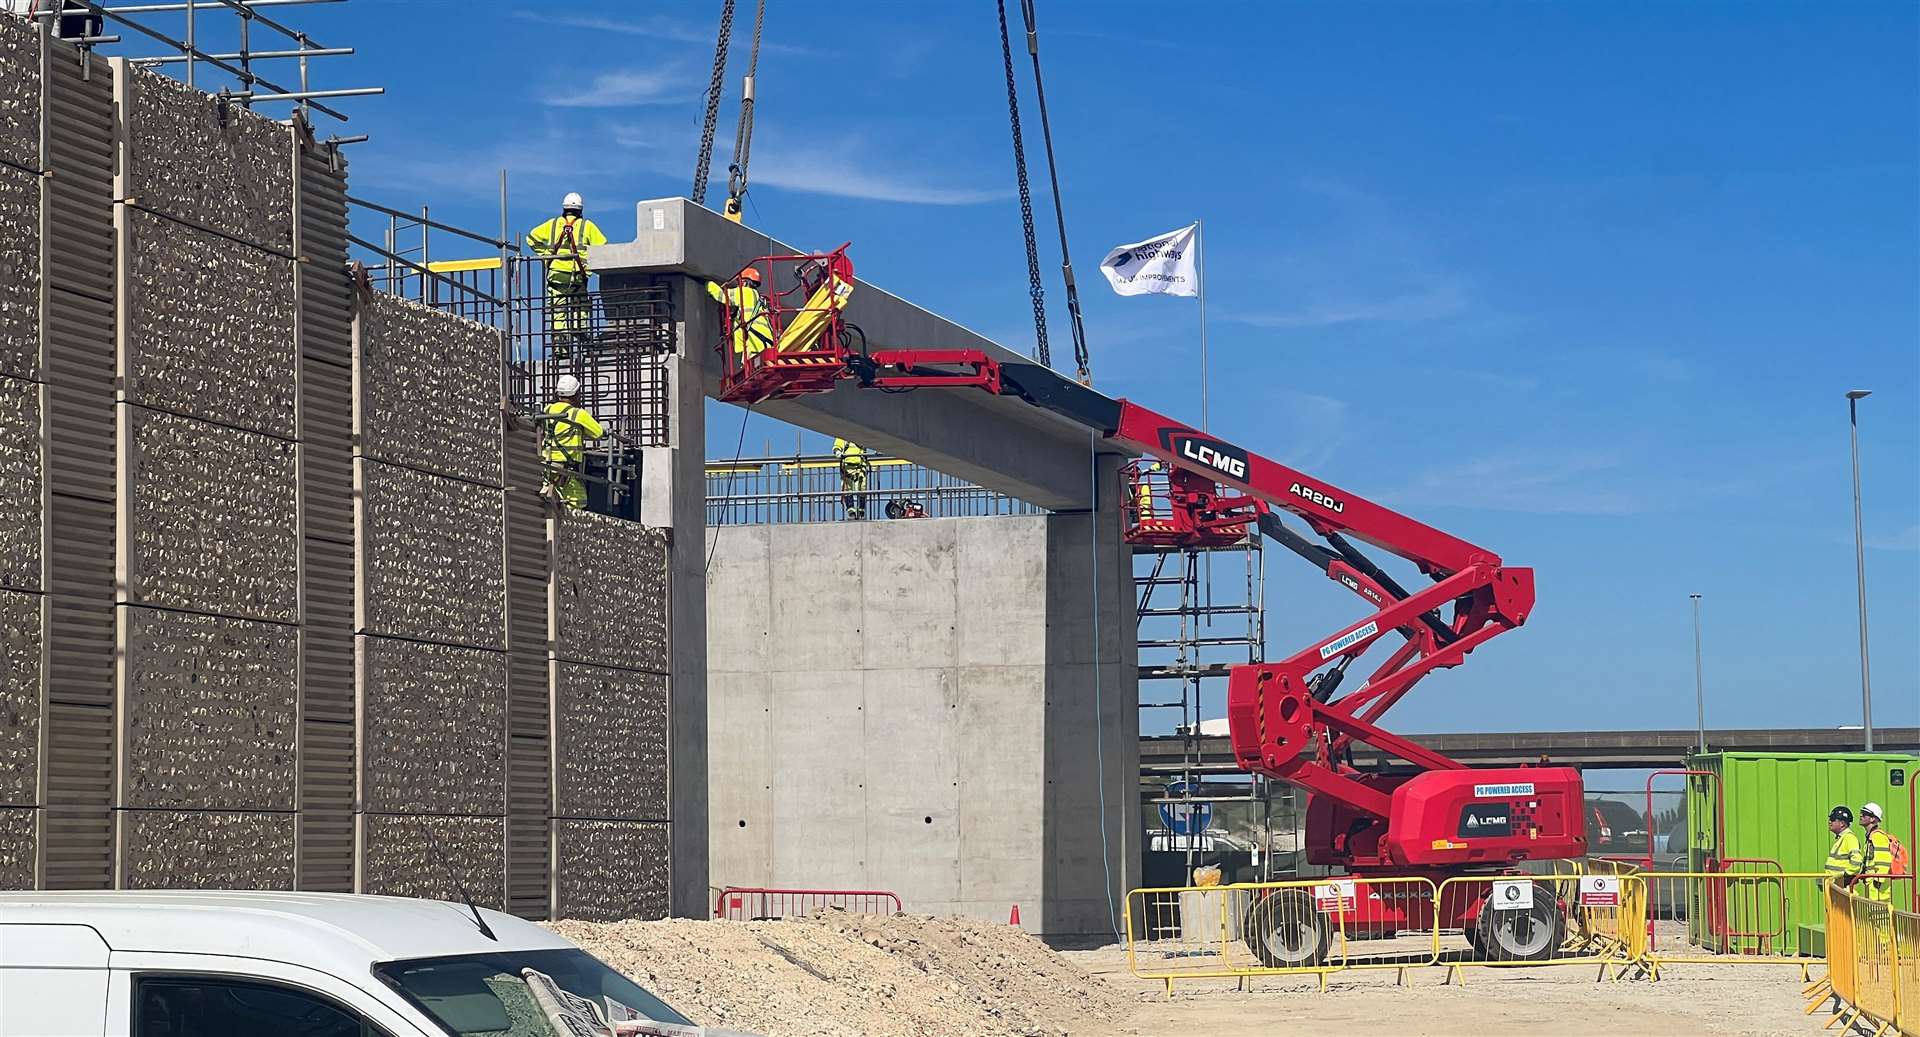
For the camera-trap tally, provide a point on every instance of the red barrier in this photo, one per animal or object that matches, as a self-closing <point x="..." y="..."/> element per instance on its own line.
<point x="747" y="903"/>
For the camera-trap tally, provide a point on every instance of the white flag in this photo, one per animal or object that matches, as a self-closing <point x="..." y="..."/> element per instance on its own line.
<point x="1166" y="265"/>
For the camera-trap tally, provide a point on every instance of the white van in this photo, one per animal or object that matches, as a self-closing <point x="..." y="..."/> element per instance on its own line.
<point x="240" y="964"/>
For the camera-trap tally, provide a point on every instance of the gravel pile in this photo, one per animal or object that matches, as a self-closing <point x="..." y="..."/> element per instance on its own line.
<point x="841" y="975"/>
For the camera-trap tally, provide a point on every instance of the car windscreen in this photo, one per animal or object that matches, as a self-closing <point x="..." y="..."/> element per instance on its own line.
<point x="484" y="995"/>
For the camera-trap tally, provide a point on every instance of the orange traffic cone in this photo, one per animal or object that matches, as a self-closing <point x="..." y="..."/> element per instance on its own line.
<point x="1014" y="918"/>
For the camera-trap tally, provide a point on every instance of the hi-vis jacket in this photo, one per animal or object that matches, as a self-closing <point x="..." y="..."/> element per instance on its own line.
<point x="565" y="236"/>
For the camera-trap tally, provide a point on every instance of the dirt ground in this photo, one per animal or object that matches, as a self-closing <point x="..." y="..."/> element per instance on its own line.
<point x="1688" y="1001"/>
<point x="838" y="975"/>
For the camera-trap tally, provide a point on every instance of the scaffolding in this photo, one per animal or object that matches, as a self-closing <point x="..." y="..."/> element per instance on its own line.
<point x="753" y="491"/>
<point x="618" y="343"/>
<point x="1202" y="611"/>
<point x="233" y="71"/>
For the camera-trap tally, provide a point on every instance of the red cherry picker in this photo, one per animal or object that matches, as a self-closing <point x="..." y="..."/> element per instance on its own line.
<point x="1434" y="817"/>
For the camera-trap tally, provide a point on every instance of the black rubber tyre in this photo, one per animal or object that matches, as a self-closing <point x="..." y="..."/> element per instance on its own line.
<point x="1520" y="934"/>
<point x="1286" y="931"/>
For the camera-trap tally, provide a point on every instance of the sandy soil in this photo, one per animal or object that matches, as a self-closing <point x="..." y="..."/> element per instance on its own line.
<point x="839" y="975"/>
<point x="1690" y="1000"/>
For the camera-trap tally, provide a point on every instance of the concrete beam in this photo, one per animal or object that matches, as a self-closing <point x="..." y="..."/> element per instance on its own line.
<point x="1002" y="443"/>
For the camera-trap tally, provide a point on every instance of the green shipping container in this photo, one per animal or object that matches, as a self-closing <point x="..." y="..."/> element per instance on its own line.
<point x="1775" y="809"/>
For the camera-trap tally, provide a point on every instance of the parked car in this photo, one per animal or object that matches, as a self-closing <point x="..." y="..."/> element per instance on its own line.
<point x="213" y="964"/>
<point x="1615" y="829"/>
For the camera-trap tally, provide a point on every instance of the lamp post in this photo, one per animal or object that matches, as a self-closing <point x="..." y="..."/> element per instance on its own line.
<point x="1854" y="396"/>
<point x="1699" y="687"/>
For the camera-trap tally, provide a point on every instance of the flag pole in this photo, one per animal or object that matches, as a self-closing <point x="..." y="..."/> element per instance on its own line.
<point x="1200" y="271"/>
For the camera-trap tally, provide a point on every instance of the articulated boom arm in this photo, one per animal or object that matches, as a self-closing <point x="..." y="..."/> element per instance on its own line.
<point x="1284" y="718"/>
<point x="1277" y="710"/>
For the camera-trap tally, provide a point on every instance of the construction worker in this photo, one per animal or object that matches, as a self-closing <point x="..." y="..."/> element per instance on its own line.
<point x="853" y="477"/>
<point x="1844" y="860"/>
<point x="1878" y="854"/>
<point x="752" y="333"/>
<point x="567" y="237"/>
<point x="568" y="426"/>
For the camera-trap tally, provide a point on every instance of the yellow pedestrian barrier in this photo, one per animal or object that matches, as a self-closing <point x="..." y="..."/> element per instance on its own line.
<point x="1874" y="965"/>
<point x="1906" y="971"/>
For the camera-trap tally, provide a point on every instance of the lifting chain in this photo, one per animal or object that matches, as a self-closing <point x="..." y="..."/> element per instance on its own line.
<point x="1035" y="289"/>
<point x="743" y="135"/>
<point x="1053" y="174"/>
<point x="713" y="104"/>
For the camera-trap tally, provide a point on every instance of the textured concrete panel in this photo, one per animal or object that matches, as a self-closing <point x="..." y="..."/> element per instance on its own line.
<point x="198" y="849"/>
<point x="434" y="857"/>
<point x="17" y="845"/>
<point x="610" y="581"/>
<point x="429" y="389"/>
<point x="612" y="750"/>
<point x="21" y="475"/>
<point x="432" y="557"/>
<point x="213" y="523"/>
<point x="209" y="326"/>
<point x="19" y="272"/>
<point x="436" y="728"/>
<point x="19" y="93"/>
<point x="209" y="711"/>
<point x="208" y="162"/>
<point x="22" y="654"/>
<point x="609" y="870"/>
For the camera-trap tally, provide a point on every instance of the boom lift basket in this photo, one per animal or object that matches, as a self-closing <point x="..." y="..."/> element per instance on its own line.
<point x="798" y="341"/>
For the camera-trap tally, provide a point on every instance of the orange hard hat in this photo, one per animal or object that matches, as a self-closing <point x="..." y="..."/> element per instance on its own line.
<point x="750" y="274"/>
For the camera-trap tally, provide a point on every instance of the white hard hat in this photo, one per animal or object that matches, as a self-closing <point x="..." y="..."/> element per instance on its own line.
<point x="572" y="201"/>
<point x="1874" y="809"/>
<point x="568" y="385"/>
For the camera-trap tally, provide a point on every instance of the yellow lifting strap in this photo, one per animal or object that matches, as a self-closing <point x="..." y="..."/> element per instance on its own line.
<point x="807" y="326"/>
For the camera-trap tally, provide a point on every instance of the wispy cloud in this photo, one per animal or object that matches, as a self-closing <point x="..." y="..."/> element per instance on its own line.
<point x="1533" y="481"/>
<point x="626" y="88"/>
<point x="841" y="167"/>
<point x="1907" y="539"/>
<point x="1442" y="296"/>
<point x="658" y="27"/>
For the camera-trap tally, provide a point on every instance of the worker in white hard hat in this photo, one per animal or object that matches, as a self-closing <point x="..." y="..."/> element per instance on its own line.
<point x="1879" y="855"/>
<point x="566" y="428"/>
<point x="566" y="238"/>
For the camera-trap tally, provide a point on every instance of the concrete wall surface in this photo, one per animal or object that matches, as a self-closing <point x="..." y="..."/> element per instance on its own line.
<point x="19" y="94"/>
<point x="909" y="705"/>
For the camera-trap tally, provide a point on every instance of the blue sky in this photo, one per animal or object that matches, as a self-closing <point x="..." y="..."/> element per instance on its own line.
<point x="1582" y="283"/>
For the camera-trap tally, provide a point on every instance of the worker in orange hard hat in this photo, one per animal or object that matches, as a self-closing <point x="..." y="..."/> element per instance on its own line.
<point x="747" y="310"/>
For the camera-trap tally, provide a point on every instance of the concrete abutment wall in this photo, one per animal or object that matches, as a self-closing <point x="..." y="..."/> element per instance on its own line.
<point x="911" y="705"/>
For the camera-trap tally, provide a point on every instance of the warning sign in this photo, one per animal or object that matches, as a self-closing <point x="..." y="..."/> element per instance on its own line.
<point x="1334" y="896"/>
<point x="1513" y="896"/>
<point x="1599" y="891"/>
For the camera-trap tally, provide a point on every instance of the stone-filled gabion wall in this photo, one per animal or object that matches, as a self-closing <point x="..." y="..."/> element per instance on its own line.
<point x="21" y="478"/>
<point x="611" y="753"/>
<point x="423" y="856"/>
<point x="609" y="870"/>
<point x="209" y="326"/>
<point x="19" y="273"/>
<point x="431" y="557"/>
<point x="210" y="711"/>
<point x="610" y="592"/>
<point x="168" y="849"/>
<point x="19" y="94"/>
<point x="434" y="727"/>
<point x="208" y="162"/>
<point x="429" y="389"/>
<point x="214" y="518"/>
<point x="22" y="642"/>
<point x="16" y="847"/>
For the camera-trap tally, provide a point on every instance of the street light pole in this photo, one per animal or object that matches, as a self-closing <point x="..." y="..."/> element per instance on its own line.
<point x="1854" y="397"/>
<point x="1699" y="687"/>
